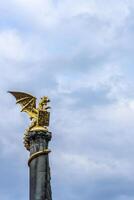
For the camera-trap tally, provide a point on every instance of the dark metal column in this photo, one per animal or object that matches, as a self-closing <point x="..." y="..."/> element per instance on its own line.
<point x="40" y="188"/>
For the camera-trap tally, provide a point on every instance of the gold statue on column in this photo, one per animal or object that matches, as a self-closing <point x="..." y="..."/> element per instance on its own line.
<point x="38" y="115"/>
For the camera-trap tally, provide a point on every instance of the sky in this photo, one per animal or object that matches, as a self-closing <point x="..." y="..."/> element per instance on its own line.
<point x="80" y="53"/>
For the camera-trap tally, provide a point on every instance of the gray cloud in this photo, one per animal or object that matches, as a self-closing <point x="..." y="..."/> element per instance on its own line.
<point x="80" y="54"/>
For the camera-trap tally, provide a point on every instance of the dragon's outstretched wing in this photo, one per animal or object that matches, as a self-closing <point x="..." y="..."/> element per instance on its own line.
<point x="27" y="101"/>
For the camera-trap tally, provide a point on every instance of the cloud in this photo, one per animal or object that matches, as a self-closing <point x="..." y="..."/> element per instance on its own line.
<point x="80" y="54"/>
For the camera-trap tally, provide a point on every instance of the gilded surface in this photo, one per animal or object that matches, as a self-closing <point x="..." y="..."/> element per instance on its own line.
<point x="38" y="115"/>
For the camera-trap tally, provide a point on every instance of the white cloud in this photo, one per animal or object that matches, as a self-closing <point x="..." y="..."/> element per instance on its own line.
<point x="11" y="46"/>
<point x="15" y="47"/>
<point x="41" y="13"/>
<point x="108" y="77"/>
<point x="50" y="13"/>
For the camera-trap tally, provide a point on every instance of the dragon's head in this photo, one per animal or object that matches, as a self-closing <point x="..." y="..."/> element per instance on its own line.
<point x="44" y="101"/>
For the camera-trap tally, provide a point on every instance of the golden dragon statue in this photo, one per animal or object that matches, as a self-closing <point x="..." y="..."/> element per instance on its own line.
<point x="38" y="115"/>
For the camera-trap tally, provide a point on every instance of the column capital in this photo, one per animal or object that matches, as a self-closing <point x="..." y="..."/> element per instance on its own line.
<point x="32" y="136"/>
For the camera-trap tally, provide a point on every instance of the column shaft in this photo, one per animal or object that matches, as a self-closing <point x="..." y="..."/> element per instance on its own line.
<point x="40" y="188"/>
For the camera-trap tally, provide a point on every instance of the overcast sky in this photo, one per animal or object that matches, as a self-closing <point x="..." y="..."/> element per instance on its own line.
<point x="80" y="53"/>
